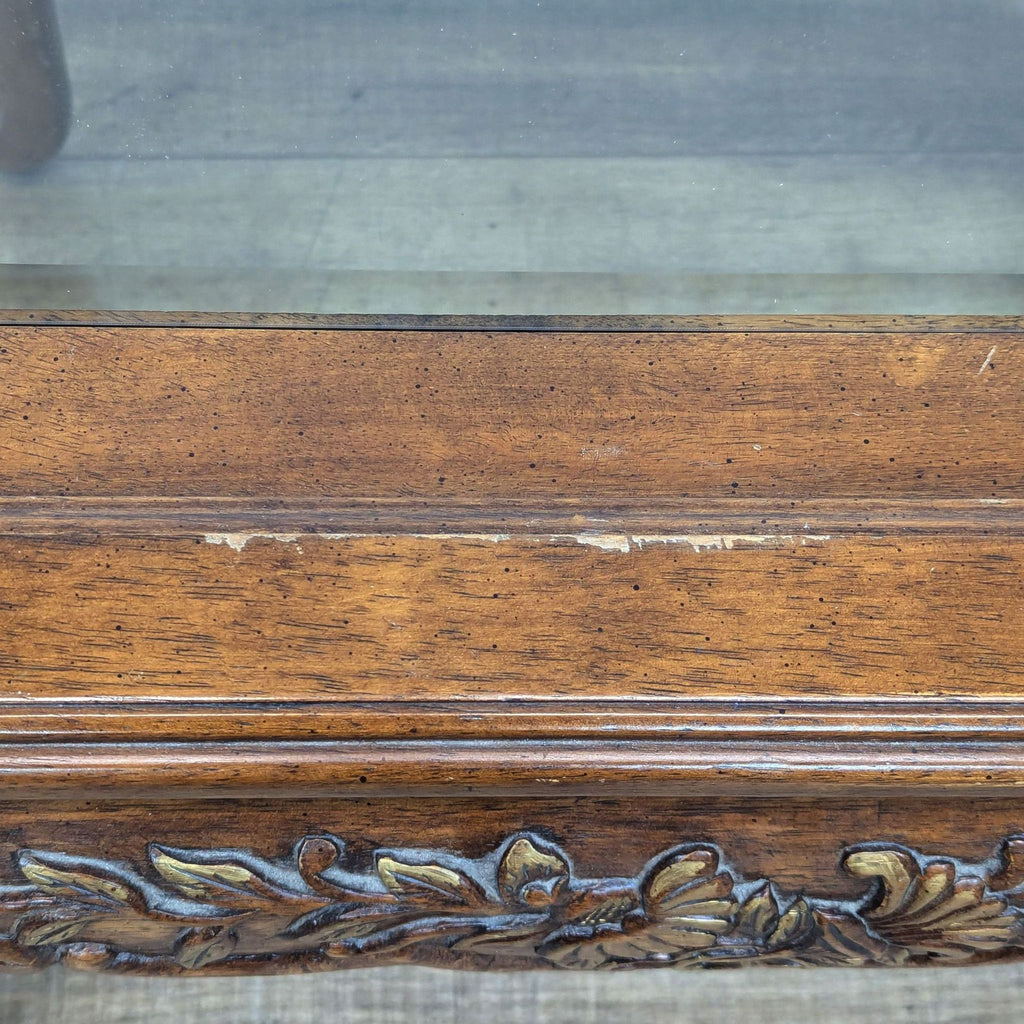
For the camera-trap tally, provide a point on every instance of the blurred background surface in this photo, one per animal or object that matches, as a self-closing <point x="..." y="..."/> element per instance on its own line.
<point x="398" y="995"/>
<point x="561" y="156"/>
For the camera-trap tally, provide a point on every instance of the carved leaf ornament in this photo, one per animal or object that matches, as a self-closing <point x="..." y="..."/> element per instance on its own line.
<point x="519" y="906"/>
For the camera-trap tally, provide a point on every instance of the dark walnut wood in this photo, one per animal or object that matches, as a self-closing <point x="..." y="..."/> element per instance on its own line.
<point x="35" y="96"/>
<point x="328" y="642"/>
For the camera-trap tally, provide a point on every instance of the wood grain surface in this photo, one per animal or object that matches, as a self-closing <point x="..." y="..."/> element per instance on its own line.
<point x="340" y="530"/>
<point x="466" y="617"/>
<point x="487" y="416"/>
<point x="539" y="602"/>
<point x="504" y="767"/>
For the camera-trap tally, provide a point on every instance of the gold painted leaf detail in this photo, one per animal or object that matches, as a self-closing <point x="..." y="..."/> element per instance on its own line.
<point x="198" y="947"/>
<point x="793" y="927"/>
<point x="609" y="912"/>
<point x="843" y="940"/>
<point x="226" y="883"/>
<point x="532" y="874"/>
<point x="583" y="956"/>
<point x="685" y="909"/>
<point x="674" y="872"/>
<point x="685" y="906"/>
<point x="430" y="883"/>
<point x="936" y="913"/>
<point x="80" y="883"/>
<point x="340" y="933"/>
<point x="687" y="892"/>
<point x="197" y="880"/>
<point x="758" y="915"/>
<point x="54" y="931"/>
<point x="636" y="940"/>
<point x="765" y="932"/>
<point x="895" y="868"/>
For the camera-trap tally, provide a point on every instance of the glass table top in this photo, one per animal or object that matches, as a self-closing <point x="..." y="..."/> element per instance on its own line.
<point x="461" y="157"/>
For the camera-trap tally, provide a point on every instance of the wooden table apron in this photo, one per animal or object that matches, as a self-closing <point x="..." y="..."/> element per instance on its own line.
<point x="331" y="641"/>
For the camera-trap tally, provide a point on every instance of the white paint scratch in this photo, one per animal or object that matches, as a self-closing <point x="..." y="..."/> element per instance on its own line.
<point x="988" y="359"/>
<point x="620" y="542"/>
<point x="727" y="541"/>
<point x="623" y="542"/>
<point x="486" y="538"/>
<point x="604" y="541"/>
<point x="238" y="541"/>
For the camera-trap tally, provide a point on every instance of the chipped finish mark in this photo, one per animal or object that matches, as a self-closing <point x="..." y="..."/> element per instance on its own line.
<point x="728" y="541"/>
<point x="487" y="538"/>
<point x="698" y="541"/>
<point x="988" y="360"/>
<point x="238" y="541"/>
<point x="604" y="541"/>
<point x="600" y="450"/>
<point x="621" y="542"/>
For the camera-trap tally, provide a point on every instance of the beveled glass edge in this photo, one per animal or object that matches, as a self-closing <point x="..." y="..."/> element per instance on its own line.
<point x="165" y="296"/>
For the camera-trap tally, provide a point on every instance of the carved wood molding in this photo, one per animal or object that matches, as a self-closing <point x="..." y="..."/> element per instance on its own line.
<point x="521" y="906"/>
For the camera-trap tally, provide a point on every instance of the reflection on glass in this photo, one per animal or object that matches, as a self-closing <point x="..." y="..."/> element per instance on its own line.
<point x="441" y="156"/>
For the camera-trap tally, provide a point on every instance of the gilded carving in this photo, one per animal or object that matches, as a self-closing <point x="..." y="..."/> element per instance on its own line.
<point x="519" y="906"/>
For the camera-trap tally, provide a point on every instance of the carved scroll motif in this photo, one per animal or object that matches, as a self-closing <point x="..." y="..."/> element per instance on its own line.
<point x="520" y="906"/>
